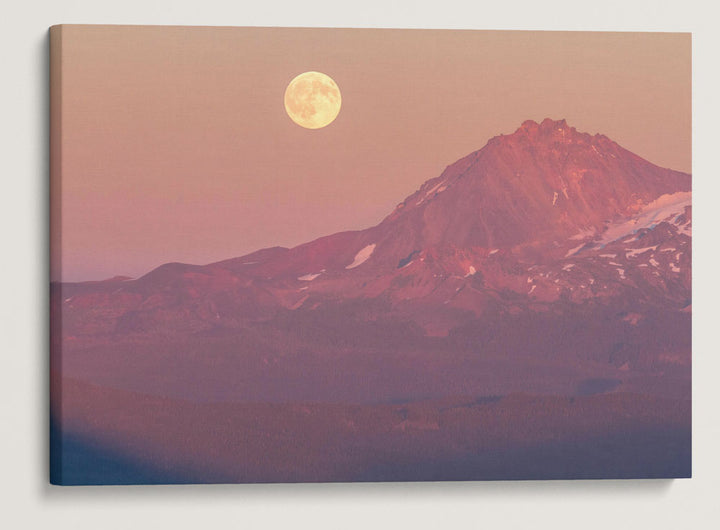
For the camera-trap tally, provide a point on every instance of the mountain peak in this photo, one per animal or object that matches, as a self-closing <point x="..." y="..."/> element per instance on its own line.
<point x="546" y="124"/>
<point x="544" y="181"/>
<point x="548" y="129"/>
<point x="552" y="136"/>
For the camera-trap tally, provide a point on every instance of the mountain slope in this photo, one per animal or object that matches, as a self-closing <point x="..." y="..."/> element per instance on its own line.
<point x="545" y="180"/>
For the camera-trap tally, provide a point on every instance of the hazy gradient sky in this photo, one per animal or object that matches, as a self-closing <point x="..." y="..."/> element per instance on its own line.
<point x="176" y="145"/>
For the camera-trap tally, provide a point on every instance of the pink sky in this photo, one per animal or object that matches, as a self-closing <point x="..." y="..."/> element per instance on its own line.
<point x="176" y="145"/>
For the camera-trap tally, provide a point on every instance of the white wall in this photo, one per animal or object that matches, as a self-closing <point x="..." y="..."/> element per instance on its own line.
<point x="26" y="499"/>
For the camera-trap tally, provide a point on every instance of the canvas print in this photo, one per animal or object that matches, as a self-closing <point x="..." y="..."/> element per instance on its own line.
<point x="339" y="255"/>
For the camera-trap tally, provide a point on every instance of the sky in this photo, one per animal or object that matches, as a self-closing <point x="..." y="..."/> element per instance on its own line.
<point x="175" y="145"/>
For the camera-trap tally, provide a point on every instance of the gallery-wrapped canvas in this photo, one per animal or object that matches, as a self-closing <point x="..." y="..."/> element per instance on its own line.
<point x="339" y="255"/>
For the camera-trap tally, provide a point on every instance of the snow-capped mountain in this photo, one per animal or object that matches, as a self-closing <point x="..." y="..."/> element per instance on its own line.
<point x="543" y="219"/>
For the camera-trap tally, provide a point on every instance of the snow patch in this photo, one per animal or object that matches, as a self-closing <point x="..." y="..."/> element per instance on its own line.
<point x="621" y="272"/>
<point x="686" y="229"/>
<point x="362" y="256"/>
<point x="608" y="255"/>
<point x="574" y="250"/>
<point x="309" y="277"/>
<point x="661" y="209"/>
<point x="471" y="271"/>
<point x="674" y="268"/>
<point x="555" y="197"/>
<point x="439" y="188"/>
<point x="653" y="262"/>
<point x="493" y="251"/>
<point x="433" y="189"/>
<point x="635" y="251"/>
<point x="532" y="289"/>
<point x="298" y="303"/>
<point x="568" y="266"/>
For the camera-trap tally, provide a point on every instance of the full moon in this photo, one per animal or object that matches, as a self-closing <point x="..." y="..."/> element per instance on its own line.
<point x="312" y="100"/>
